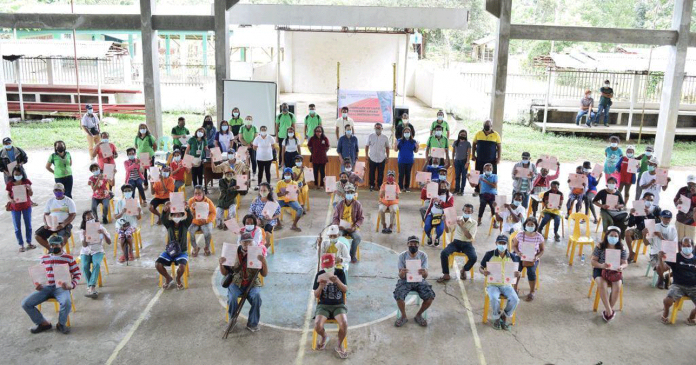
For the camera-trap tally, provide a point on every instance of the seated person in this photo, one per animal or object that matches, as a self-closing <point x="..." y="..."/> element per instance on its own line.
<point x="638" y="222"/>
<point x="177" y="225"/>
<point x="348" y="215"/>
<point x="530" y="236"/>
<point x="435" y="213"/>
<point x="92" y="254"/>
<point x="552" y="212"/>
<point x="464" y="234"/>
<point x="256" y="208"/>
<point x="663" y="232"/>
<point x="611" y="216"/>
<point x="512" y="215"/>
<point x="436" y="169"/>
<point x="607" y="276"/>
<point x="227" y="200"/>
<point x="353" y="177"/>
<point x="256" y="232"/>
<point x="126" y="224"/>
<point x="240" y="278"/>
<point x="488" y="187"/>
<point x="391" y="206"/>
<point x="340" y="192"/>
<point x="205" y="225"/>
<point x="60" y="291"/>
<point x="576" y="195"/>
<point x="337" y="246"/>
<point x="298" y="175"/>
<point x="178" y="170"/>
<point x="442" y="176"/>
<point x="160" y="190"/>
<point x="403" y="287"/>
<point x="330" y="290"/>
<point x="100" y="192"/>
<point x="62" y="209"/>
<point x="541" y="183"/>
<point x="495" y="290"/>
<point x="684" y="274"/>
<point x="284" y="199"/>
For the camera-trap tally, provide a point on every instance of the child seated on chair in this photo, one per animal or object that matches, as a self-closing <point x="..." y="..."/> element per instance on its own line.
<point x="684" y="274"/>
<point x="330" y="290"/>
<point x="284" y="199"/>
<point x="337" y="246"/>
<point x="435" y="169"/>
<point x="541" y="184"/>
<point x="205" y="225"/>
<point x="100" y="192"/>
<point x="576" y="195"/>
<point x="298" y="175"/>
<point x="552" y="212"/>
<point x="495" y="290"/>
<point x="512" y="215"/>
<point x="435" y="213"/>
<point x="227" y="200"/>
<point x="92" y="254"/>
<point x="488" y="183"/>
<point x="404" y="287"/>
<point x="651" y="211"/>
<point x="126" y="224"/>
<point x="178" y="170"/>
<point x="663" y="232"/>
<point x="391" y="206"/>
<point x="176" y="245"/>
<point x="353" y="177"/>
<point x="161" y="190"/>
<point x="52" y="289"/>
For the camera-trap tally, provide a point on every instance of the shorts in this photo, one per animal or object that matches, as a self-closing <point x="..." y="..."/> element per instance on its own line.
<point x="330" y="311"/>
<point x="424" y="290"/>
<point x="677" y="291"/>
<point x="166" y="260"/>
<point x="596" y="273"/>
<point x="156" y="202"/>
<point x="637" y="233"/>
<point x="45" y="233"/>
<point x="125" y="233"/>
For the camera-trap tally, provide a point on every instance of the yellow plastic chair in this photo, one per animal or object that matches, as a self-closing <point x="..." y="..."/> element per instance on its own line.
<point x="548" y="225"/>
<point x="99" y="278"/>
<point x="466" y="259"/>
<point x="636" y="248"/>
<point x="111" y="209"/>
<point x="275" y="162"/>
<point x="490" y="229"/>
<point x="315" y="335"/>
<point x="577" y="238"/>
<point x="596" y="298"/>
<point x="676" y="308"/>
<point x="56" y="305"/>
<point x="443" y="238"/>
<point x="152" y="216"/>
<point x="212" y="241"/>
<point x="137" y="243"/>
<point x="289" y="210"/>
<point x="185" y="276"/>
<point x="304" y="197"/>
<point x="182" y="189"/>
<point x="487" y="304"/>
<point x="398" y="221"/>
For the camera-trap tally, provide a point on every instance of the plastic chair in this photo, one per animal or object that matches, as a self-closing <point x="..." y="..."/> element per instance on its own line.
<point x="212" y="241"/>
<point x="398" y="221"/>
<point x="636" y="247"/>
<point x="111" y="209"/>
<point x="137" y="243"/>
<point x="443" y="238"/>
<point x="419" y="302"/>
<point x="536" y="198"/>
<point x="487" y="304"/>
<point x="152" y="216"/>
<point x="99" y="278"/>
<point x="56" y="305"/>
<point x="164" y="147"/>
<point x="596" y="298"/>
<point x="466" y="259"/>
<point x="304" y="197"/>
<point x="185" y="276"/>
<point x="676" y="308"/>
<point x="548" y="225"/>
<point x="292" y="212"/>
<point x="654" y="276"/>
<point x="315" y="335"/>
<point x="576" y="238"/>
<point x="490" y="229"/>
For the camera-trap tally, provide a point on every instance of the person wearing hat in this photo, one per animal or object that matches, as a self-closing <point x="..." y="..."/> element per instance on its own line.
<point x="404" y="285"/>
<point x="462" y="241"/>
<point x="285" y="200"/>
<point x="644" y="158"/>
<point x="177" y="225"/>
<point x="636" y="219"/>
<point x="336" y="245"/>
<point x="251" y="226"/>
<point x="663" y="232"/>
<point x="348" y="215"/>
<point x="435" y="213"/>
<point x="10" y="154"/>
<point x="57" y="290"/>
<point x="227" y="199"/>
<point x="686" y="222"/>
<point x="241" y="280"/>
<point x="604" y="274"/>
<point x="648" y="182"/>
<point x="330" y="290"/>
<point x="495" y="289"/>
<point x="388" y="205"/>
<point x="377" y="152"/>
<point x="58" y="216"/>
<point x="626" y="179"/>
<point x="684" y="274"/>
<point x="90" y="124"/>
<point x="523" y="184"/>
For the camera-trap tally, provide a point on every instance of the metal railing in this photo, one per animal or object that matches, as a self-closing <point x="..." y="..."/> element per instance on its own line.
<point x="61" y="71"/>
<point x="176" y="74"/>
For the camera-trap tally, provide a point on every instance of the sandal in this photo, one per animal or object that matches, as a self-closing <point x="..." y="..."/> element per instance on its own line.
<point x="21" y="249"/>
<point x="442" y="279"/>
<point x="296" y="229"/>
<point x="421" y="321"/>
<point x="30" y="246"/>
<point x="169" y="285"/>
<point x="690" y="322"/>
<point x="400" y="321"/>
<point x="195" y="252"/>
<point x="343" y="354"/>
<point x="206" y="252"/>
<point x="665" y="320"/>
<point x="530" y="297"/>
<point x="322" y="346"/>
<point x="179" y="285"/>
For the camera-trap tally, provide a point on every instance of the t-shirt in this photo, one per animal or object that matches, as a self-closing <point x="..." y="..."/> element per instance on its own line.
<point x="406" y="255"/>
<point x="378" y="147"/>
<point x="586" y="102"/>
<point x="119" y="207"/>
<point x="603" y="100"/>
<point x="536" y="238"/>
<point x="60" y="208"/>
<point x="178" y="176"/>
<point x="223" y="140"/>
<point x="612" y="159"/>
<point x="290" y="144"/>
<point x="179" y="131"/>
<point x="159" y="189"/>
<point x="389" y="202"/>
<point x="686" y="218"/>
<point x="312" y="122"/>
<point x="545" y="200"/>
<point x="90" y="121"/>
<point x="485" y="188"/>
<point x="264" y="151"/>
<point x="331" y="295"/>
<point x="461" y="150"/>
<point x="508" y="223"/>
<point x="18" y="207"/>
<point x="669" y="233"/>
<point x="602" y="197"/>
<point x="655" y="188"/>
<point x="100" y="154"/>
<point x="284" y="121"/>
<point x="284" y="185"/>
<point x="684" y="270"/>
<point x="61" y="165"/>
<point x="406" y="150"/>
<point x="146" y="144"/>
<point x="601" y="254"/>
<point x="443" y="124"/>
<point x="341" y="124"/>
<point x="486" y="146"/>
<point x="434" y="142"/>
<point x="248" y="133"/>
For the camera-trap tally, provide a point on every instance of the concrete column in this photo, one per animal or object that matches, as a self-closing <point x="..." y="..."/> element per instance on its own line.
<point x="4" y="114"/>
<point x="222" y="52"/>
<point x="500" y="63"/>
<point x="167" y="54"/>
<point x="49" y="71"/>
<point x="672" y="86"/>
<point x="635" y="83"/>
<point x="151" y="76"/>
<point x="205" y="54"/>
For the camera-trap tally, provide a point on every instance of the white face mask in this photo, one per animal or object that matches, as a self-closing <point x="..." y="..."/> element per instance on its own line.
<point x="344" y="115"/>
<point x="378" y="131"/>
<point x="312" y="112"/>
<point x="529" y="228"/>
<point x="291" y="134"/>
<point x="629" y="155"/>
<point x="349" y="133"/>
<point x="611" y="186"/>
<point x="177" y="158"/>
<point x="247" y="122"/>
<point x="128" y="194"/>
<point x="177" y="219"/>
<point x="614" y="145"/>
<point x="287" y="177"/>
<point x="199" y="134"/>
<point x="235" y="114"/>
<point x="438" y="133"/>
<point x="143" y="131"/>
<point x="407" y="134"/>
<point x="249" y="227"/>
<point x="224" y="128"/>
<point x="263" y="133"/>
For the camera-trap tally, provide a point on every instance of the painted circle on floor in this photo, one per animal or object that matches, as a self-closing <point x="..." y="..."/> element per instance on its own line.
<point x="287" y="289"/>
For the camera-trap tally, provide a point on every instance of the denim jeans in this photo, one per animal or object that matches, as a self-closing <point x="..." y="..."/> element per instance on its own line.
<point x="458" y="246"/>
<point x="581" y="113"/>
<point x="601" y="108"/>
<point x="494" y="293"/>
<point x="428" y="226"/>
<point x="354" y="244"/>
<point x="138" y="184"/>
<point x="294" y="205"/>
<point x="459" y="176"/>
<point x="547" y="217"/>
<point x="254" y="298"/>
<point x="91" y="265"/>
<point x="105" y="207"/>
<point x="17" y="222"/>
<point x="49" y="291"/>
<point x="207" y="230"/>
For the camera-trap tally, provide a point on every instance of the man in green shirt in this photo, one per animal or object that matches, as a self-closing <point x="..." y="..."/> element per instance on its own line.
<point x="311" y="121"/>
<point x="236" y="122"/>
<point x="437" y="140"/>
<point x="180" y="133"/>
<point x="283" y="121"/>
<point x="246" y="136"/>
<point x="440" y="122"/>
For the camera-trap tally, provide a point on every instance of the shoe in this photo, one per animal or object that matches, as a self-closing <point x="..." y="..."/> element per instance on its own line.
<point x="384" y="230"/>
<point x="63" y="329"/>
<point x="372" y="188"/>
<point x="437" y="242"/>
<point x="88" y="293"/>
<point x="557" y="238"/>
<point x="353" y="261"/>
<point x="408" y="190"/>
<point x="253" y="329"/>
<point x="105" y="221"/>
<point x="496" y="324"/>
<point x="40" y="328"/>
<point x="504" y="325"/>
<point x="430" y="242"/>
<point x="389" y="230"/>
<point x="21" y="249"/>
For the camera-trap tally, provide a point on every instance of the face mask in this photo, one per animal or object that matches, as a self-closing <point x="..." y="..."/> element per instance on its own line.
<point x="529" y="229"/>
<point x="131" y="157"/>
<point x="224" y="128"/>
<point x="629" y="155"/>
<point x="177" y="158"/>
<point x="90" y="220"/>
<point x="612" y="240"/>
<point x="90" y="112"/>
<point x="651" y="168"/>
<point x="587" y="171"/>
<point x="390" y="180"/>
<point x="347" y="168"/>
<point x="486" y="128"/>
<point x="407" y="134"/>
<point x="105" y="140"/>
<point x="412" y="249"/>
<point x="263" y="133"/>
<point x="648" y="204"/>
<point x="686" y="251"/>
<point x="56" y="250"/>
<point x="127" y="194"/>
<point x="249" y="227"/>
<point x="247" y="122"/>
<point x="60" y="149"/>
<point x="344" y="115"/>
<point x="440" y="117"/>
<point x="177" y="219"/>
<point x="284" y="110"/>
<point x="165" y="174"/>
<point x="343" y="181"/>
<point x="198" y="198"/>
<point x="143" y="131"/>
<point x="287" y="178"/>
<point x="291" y="134"/>
<point x="525" y="162"/>
<point x="58" y="194"/>
<point x="8" y="146"/>
<point x="263" y="194"/>
<point x="611" y="186"/>
<point x="96" y="172"/>
<point x="443" y="177"/>
<point x="516" y="203"/>
<point x="648" y="153"/>
<point x="350" y="196"/>
<point x="349" y="133"/>
<point x="312" y="112"/>
<point x="199" y="134"/>
<point x="488" y="173"/>
<point x="438" y="133"/>
<point x="614" y="145"/>
<point x="461" y="138"/>
<point x="405" y="120"/>
<point x="501" y="248"/>
<point x="378" y="131"/>
<point x="229" y="177"/>
<point x="18" y="178"/>
<point x="466" y="216"/>
<point x="298" y="163"/>
<point x="235" y="114"/>
<point x="606" y="85"/>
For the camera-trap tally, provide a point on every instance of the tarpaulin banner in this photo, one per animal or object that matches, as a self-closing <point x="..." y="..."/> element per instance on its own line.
<point x="367" y="106"/>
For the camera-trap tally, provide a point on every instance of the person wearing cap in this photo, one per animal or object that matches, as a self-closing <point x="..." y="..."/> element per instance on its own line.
<point x="686" y="221"/>
<point x="62" y="209"/>
<point x="591" y="190"/>
<point x="177" y="225"/>
<point x="377" y="152"/>
<point x="227" y="199"/>
<point x="440" y="122"/>
<point x="161" y="190"/>
<point x="289" y="148"/>
<point x="438" y="140"/>
<point x="663" y="232"/>
<point x="644" y="158"/>
<point x="101" y="193"/>
<point x="626" y="179"/>
<point x="90" y="124"/>
<point x="488" y="183"/>
<point x="283" y="122"/>
<point x="648" y="182"/>
<point x="20" y="210"/>
<point x="60" y="165"/>
<point x="684" y="274"/>
<point x="464" y="234"/>
<point x="612" y="156"/>
<point x="342" y="122"/>
<point x="435" y="213"/>
<point x="60" y="291"/>
<point x="311" y="121"/>
<point x="347" y="147"/>
<point x="241" y="277"/>
<point x="604" y="274"/>
<point x="611" y="216"/>
<point x="285" y="200"/>
<point x="586" y="105"/>
<point x="523" y="184"/>
<point x="337" y="246"/>
<point x="495" y="290"/>
<point x="529" y="236"/>
<point x="10" y="154"/>
<point x="552" y="212"/>
<point x="487" y="149"/>
<point x="636" y="219"/>
<point x="388" y="205"/>
<point x="404" y="287"/>
<point x="205" y="225"/>
<point x="330" y="290"/>
<point x="348" y="215"/>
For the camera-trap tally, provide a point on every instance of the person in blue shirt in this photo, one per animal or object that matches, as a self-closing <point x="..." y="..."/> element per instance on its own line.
<point x="436" y="169"/>
<point x="347" y="146"/>
<point x="407" y="147"/>
<point x="488" y="183"/>
<point x="613" y="155"/>
<point x="592" y="183"/>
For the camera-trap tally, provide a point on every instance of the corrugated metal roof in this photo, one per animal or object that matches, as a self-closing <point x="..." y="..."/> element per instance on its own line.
<point x="47" y="48"/>
<point x="637" y="60"/>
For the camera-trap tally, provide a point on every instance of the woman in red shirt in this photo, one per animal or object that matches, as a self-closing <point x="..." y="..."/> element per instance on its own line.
<point x="318" y="145"/>
<point x="20" y="209"/>
<point x="178" y="170"/>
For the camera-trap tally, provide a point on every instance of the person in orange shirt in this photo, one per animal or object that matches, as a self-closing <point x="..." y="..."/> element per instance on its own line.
<point x="161" y="190"/>
<point x="388" y="205"/>
<point x="204" y="225"/>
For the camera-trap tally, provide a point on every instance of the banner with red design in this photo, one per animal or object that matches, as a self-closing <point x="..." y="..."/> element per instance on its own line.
<point x="367" y="106"/>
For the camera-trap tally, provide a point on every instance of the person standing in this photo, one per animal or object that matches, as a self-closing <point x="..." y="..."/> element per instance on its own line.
<point x="90" y="124"/>
<point x="20" y="209"/>
<point x="626" y="179"/>
<point x="644" y="158"/>
<point x="290" y="147"/>
<point x="401" y="124"/>
<point x="648" y="182"/>
<point x="246" y="138"/>
<point x="487" y="149"/>
<point x="318" y="146"/>
<point x="224" y="137"/>
<point x="263" y="146"/>
<point x="461" y="155"/>
<point x="416" y="41"/>
<point x="604" y="104"/>
<point x="440" y="121"/>
<point x="407" y="147"/>
<point x="283" y="121"/>
<point x="197" y="145"/>
<point x="236" y="122"/>
<point x="10" y="154"/>
<point x="311" y="121"/>
<point x="586" y="105"/>
<point x="523" y="184"/>
<point x="377" y="152"/>
<point x="105" y="148"/>
<point x="210" y="130"/>
<point x="347" y="147"/>
<point x="145" y="143"/>
<point x="180" y="134"/>
<point x="438" y="140"/>
<point x="612" y="156"/>
<point x="342" y="122"/>
<point x="62" y="167"/>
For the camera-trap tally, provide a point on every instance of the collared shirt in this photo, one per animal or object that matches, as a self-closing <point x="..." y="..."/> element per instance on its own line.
<point x="486" y="145"/>
<point x="378" y="147"/>
<point x="90" y="121"/>
<point x="469" y="226"/>
<point x="341" y="124"/>
<point x="312" y="122"/>
<point x="284" y="121"/>
<point x="179" y="131"/>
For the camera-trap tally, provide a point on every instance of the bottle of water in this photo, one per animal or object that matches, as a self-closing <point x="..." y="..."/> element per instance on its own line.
<point x="582" y="259"/>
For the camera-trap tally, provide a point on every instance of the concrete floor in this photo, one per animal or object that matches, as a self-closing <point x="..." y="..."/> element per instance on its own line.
<point x="133" y="321"/>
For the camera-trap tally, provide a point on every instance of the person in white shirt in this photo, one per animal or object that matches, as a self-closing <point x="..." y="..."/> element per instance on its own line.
<point x="264" y="145"/>
<point x="90" y="124"/>
<point x="648" y="181"/>
<point x="377" y="152"/>
<point x="92" y="253"/>
<point x="342" y="122"/>
<point x="335" y="245"/>
<point x="63" y="209"/>
<point x="512" y="215"/>
<point x="663" y="232"/>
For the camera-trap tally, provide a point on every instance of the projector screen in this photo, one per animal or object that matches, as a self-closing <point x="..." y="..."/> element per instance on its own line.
<point x="255" y="98"/>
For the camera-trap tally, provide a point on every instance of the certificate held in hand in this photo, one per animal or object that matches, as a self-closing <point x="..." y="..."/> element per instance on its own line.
<point x="437" y="152"/>
<point x="684" y="205"/>
<point x="521" y="172"/>
<point x="597" y="170"/>
<point x="229" y="252"/>
<point x="495" y="272"/>
<point x="612" y="257"/>
<point x="360" y="169"/>
<point x="308" y="173"/>
<point x="527" y="250"/>
<point x="639" y="208"/>
<point x="145" y="159"/>
<point x="670" y="249"/>
<point x="554" y="201"/>
<point x="154" y="173"/>
<point x="510" y="270"/>
<point x="612" y="201"/>
<point x="423" y="177"/>
<point x="390" y="192"/>
<point x="549" y="162"/>
<point x="661" y="176"/>
<point x="61" y="274"/>
<point x="633" y="166"/>
<point x="650" y="226"/>
<point x="412" y="276"/>
<point x="577" y="181"/>
<point x="37" y="273"/>
<point x="188" y="161"/>
<point x="202" y="210"/>
<point x="177" y="202"/>
<point x="450" y="216"/>
<point x="269" y="210"/>
<point x="500" y="201"/>
<point x="109" y="171"/>
<point x="19" y="193"/>
<point x="253" y="253"/>
<point x="233" y="226"/>
<point x="474" y="177"/>
<point x="431" y="190"/>
<point x="105" y="149"/>
<point x="330" y="182"/>
<point x="216" y="154"/>
<point x="92" y="232"/>
<point x="292" y="192"/>
<point x="242" y="181"/>
<point x="132" y="207"/>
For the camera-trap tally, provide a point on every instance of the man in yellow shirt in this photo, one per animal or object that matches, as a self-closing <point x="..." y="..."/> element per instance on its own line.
<point x="286" y="198"/>
<point x="205" y="225"/>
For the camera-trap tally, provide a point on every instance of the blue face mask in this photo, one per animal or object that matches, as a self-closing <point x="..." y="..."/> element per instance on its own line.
<point x="686" y="251"/>
<point x="466" y="216"/>
<point x="529" y="229"/>
<point x="488" y="173"/>
<point x="613" y="240"/>
<point x="224" y="128"/>
<point x="350" y="196"/>
<point x="501" y="248"/>
<point x="516" y="203"/>
<point x="18" y="178"/>
<point x="105" y="140"/>
<point x="651" y="168"/>
<point x="8" y="146"/>
<point x="96" y="172"/>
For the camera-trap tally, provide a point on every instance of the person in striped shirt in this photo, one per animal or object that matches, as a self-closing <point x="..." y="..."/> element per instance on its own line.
<point x="53" y="289"/>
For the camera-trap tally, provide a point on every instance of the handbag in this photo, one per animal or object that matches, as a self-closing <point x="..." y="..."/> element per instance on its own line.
<point x="227" y="281"/>
<point x="173" y="249"/>
<point x="611" y="275"/>
<point x="437" y="218"/>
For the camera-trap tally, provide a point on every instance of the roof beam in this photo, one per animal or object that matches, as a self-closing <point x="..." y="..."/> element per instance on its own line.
<point x="71" y="21"/>
<point x="493" y="7"/>
<point x="183" y="22"/>
<point x="231" y="3"/>
<point x="592" y="34"/>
